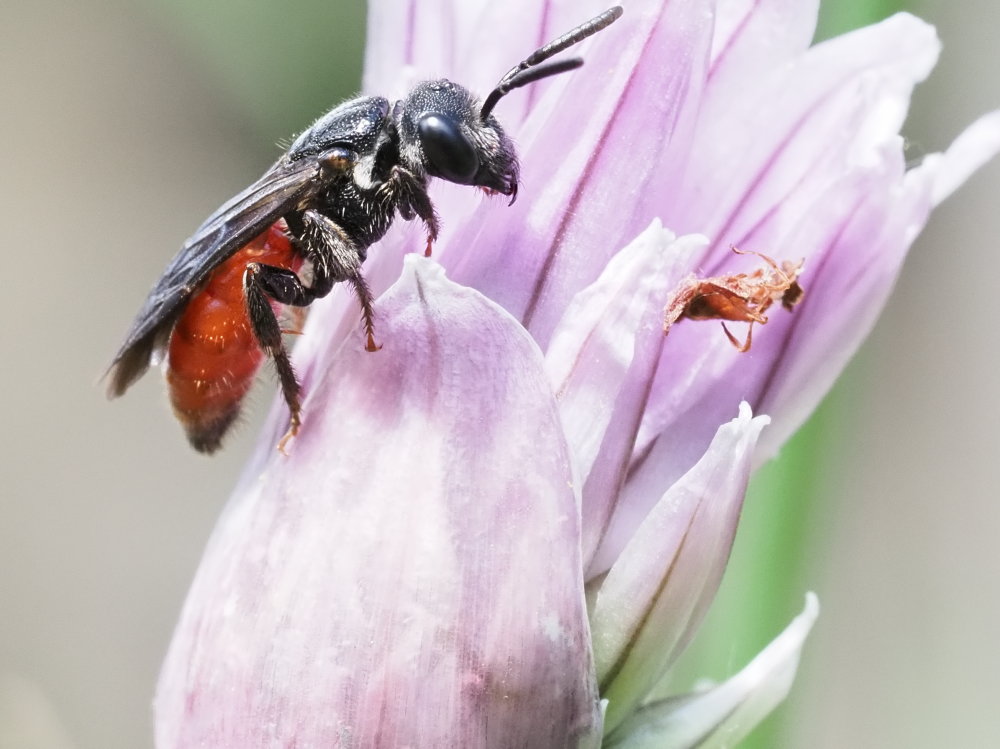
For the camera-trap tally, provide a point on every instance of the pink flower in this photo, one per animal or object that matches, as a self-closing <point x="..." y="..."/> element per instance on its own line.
<point x="502" y="529"/>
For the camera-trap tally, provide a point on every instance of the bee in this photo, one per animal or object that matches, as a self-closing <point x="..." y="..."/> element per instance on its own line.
<point x="324" y="203"/>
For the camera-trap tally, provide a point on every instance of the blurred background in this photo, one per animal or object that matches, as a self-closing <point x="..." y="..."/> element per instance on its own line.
<point x="124" y="123"/>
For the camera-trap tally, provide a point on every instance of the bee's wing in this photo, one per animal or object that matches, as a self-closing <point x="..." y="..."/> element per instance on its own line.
<point x="282" y="188"/>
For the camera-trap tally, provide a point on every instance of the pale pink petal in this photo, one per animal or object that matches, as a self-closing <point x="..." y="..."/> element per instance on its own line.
<point x="753" y="37"/>
<point x="722" y="716"/>
<point x="410" y="41"/>
<point x="844" y="303"/>
<point x="410" y="574"/>
<point x="512" y="34"/>
<point x="800" y="122"/>
<point x="389" y="44"/>
<point x="978" y="144"/>
<point x="659" y="587"/>
<point x="602" y="357"/>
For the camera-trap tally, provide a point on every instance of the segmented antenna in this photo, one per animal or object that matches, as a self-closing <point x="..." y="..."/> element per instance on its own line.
<point x="525" y="72"/>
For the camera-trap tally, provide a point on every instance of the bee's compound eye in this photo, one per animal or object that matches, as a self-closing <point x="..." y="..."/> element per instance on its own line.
<point x="338" y="160"/>
<point x="449" y="152"/>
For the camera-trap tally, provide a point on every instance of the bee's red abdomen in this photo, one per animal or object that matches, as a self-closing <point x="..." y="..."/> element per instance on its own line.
<point x="213" y="355"/>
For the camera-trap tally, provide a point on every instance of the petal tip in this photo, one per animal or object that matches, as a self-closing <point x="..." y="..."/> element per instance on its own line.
<point x="921" y="32"/>
<point x="811" y="611"/>
<point x="746" y="417"/>
<point x="424" y="269"/>
<point x="976" y="145"/>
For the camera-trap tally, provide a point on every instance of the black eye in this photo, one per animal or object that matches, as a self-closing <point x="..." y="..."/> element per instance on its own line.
<point x="448" y="151"/>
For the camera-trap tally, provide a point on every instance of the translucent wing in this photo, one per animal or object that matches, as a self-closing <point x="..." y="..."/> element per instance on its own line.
<point x="283" y="187"/>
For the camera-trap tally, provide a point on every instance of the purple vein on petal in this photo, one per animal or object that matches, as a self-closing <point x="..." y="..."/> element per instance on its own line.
<point x="739" y="185"/>
<point x="609" y="471"/>
<point x="753" y="186"/>
<point x="811" y="179"/>
<point x="572" y="205"/>
<point x="731" y="41"/>
<point x="847" y="291"/>
<point x="765" y="36"/>
<point x="602" y="361"/>
<point x="659" y="587"/>
<point x="680" y="29"/>
<point x="778" y="357"/>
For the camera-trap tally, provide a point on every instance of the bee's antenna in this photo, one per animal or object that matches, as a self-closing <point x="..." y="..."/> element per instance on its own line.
<point x="520" y="75"/>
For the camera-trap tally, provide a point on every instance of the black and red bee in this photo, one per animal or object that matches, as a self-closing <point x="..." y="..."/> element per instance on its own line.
<point x="332" y="195"/>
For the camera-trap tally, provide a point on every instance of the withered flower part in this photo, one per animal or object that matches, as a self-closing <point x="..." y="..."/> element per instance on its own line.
<point x="737" y="297"/>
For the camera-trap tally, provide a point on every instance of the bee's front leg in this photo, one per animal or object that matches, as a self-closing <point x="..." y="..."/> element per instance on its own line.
<point x="336" y="258"/>
<point x="413" y="200"/>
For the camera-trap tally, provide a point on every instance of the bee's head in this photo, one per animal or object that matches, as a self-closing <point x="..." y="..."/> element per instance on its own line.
<point x="447" y="132"/>
<point x="444" y="132"/>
